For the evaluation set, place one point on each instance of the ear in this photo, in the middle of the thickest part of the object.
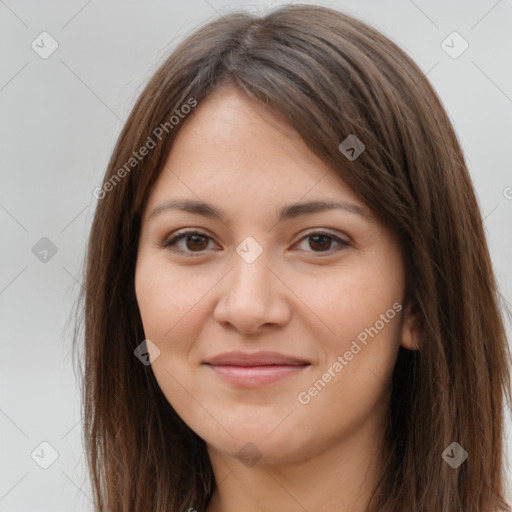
(410, 333)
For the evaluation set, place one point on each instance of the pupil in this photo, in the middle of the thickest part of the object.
(315, 239)
(196, 239)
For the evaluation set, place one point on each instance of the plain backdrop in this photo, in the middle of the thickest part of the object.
(60, 118)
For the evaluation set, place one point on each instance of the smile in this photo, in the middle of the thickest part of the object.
(255, 370)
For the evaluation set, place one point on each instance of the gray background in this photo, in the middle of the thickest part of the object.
(59, 120)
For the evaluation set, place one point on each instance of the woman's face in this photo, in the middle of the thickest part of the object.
(274, 325)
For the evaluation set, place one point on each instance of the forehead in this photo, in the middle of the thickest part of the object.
(232, 147)
(228, 129)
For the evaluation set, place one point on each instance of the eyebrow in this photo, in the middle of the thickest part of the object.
(286, 212)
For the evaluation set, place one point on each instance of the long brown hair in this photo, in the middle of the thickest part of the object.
(328, 75)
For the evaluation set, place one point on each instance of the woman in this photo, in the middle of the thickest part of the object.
(289, 300)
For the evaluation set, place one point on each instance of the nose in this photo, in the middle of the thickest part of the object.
(252, 297)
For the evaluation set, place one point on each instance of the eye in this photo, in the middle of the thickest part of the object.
(197, 242)
(321, 241)
(194, 241)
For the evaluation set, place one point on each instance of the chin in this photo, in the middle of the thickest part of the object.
(251, 445)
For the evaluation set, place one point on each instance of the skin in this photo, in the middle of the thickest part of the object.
(298, 297)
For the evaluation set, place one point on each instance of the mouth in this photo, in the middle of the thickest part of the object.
(255, 370)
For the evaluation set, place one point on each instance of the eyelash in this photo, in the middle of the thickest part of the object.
(170, 242)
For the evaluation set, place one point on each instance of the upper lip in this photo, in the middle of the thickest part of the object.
(254, 359)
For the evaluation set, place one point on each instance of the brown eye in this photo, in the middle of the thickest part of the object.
(196, 242)
(320, 242)
(188, 242)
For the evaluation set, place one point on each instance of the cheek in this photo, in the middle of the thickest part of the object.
(346, 301)
(172, 316)
(349, 393)
(175, 308)
(168, 299)
(362, 310)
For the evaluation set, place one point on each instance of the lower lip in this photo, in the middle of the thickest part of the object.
(256, 376)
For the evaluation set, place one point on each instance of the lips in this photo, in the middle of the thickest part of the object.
(257, 369)
(255, 359)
